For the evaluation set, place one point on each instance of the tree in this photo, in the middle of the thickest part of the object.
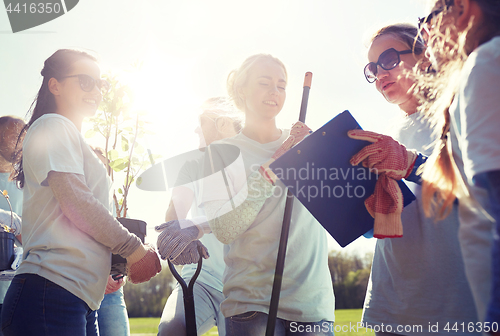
(350, 274)
(122, 128)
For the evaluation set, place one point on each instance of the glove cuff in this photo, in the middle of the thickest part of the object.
(267, 173)
(137, 255)
(387, 226)
(412, 158)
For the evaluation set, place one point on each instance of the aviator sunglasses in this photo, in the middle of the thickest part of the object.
(87, 83)
(388, 60)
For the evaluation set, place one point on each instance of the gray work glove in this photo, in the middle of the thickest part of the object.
(190, 255)
(173, 241)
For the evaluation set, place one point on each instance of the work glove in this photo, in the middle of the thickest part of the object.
(143, 264)
(113, 285)
(175, 236)
(190, 255)
(298, 132)
(392, 162)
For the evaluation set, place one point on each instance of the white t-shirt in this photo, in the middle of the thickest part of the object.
(307, 291)
(55, 248)
(212, 268)
(475, 139)
(419, 279)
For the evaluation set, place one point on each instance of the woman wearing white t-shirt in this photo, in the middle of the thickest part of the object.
(249, 222)
(68, 230)
(464, 37)
(415, 278)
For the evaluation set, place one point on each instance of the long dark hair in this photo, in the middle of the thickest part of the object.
(491, 19)
(56, 66)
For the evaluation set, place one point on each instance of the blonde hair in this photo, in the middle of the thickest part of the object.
(238, 78)
(404, 32)
(222, 107)
(442, 181)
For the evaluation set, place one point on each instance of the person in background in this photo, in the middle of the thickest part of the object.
(417, 279)
(464, 40)
(10, 128)
(69, 231)
(219, 120)
(247, 213)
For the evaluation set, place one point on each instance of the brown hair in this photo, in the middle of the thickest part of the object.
(406, 33)
(56, 66)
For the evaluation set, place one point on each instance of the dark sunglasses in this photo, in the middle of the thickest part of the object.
(87, 83)
(388, 60)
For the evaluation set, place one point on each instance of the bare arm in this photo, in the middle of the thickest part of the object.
(181, 201)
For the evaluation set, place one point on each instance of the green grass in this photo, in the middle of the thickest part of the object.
(347, 318)
(345, 324)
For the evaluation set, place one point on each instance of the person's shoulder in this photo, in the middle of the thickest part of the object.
(489, 50)
(486, 56)
(230, 141)
(53, 122)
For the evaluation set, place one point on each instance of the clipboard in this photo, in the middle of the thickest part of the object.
(317, 171)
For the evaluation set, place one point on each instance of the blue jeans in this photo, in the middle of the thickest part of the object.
(254, 324)
(112, 315)
(36, 306)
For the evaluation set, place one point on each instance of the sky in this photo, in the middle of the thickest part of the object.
(189, 47)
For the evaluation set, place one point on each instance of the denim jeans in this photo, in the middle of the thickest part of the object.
(34, 305)
(255, 323)
(112, 315)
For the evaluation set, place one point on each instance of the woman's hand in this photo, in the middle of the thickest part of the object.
(143, 264)
(298, 132)
(384, 155)
(178, 242)
(113, 285)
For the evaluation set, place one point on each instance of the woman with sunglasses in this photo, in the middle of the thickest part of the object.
(464, 38)
(417, 280)
(68, 230)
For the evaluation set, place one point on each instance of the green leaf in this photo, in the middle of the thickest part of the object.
(135, 160)
(119, 164)
(120, 191)
(124, 144)
(90, 133)
(113, 154)
(139, 180)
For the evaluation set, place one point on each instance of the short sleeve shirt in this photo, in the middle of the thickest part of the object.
(54, 247)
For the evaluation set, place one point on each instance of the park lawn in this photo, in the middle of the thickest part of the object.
(346, 322)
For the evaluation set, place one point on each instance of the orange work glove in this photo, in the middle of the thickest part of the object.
(143, 264)
(298, 132)
(391, 161)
